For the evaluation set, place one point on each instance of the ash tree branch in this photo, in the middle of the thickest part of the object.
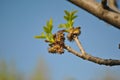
(113, 5)
(107, 62)
(86, 56)
(79, 45)
(106, 14)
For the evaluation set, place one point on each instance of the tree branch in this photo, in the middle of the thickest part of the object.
(113, 5)
(108, 15)
(79, 45)
(107, 62)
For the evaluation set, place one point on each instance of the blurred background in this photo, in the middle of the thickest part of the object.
(22, 57)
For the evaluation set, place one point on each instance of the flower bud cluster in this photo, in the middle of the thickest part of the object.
(58, 45)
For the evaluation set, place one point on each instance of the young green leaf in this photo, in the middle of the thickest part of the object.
(72, 22)
(47, 37)
(48, 32)
(74, 12)
(69, 17)
(47, 24)
(69, 24)
(42, 36)
(66, 18)
(62, 26)
(51, 39)
(39, 37)
(46, 29)
(67, 13)
(50, 22)
(50, 25)
(73, 17)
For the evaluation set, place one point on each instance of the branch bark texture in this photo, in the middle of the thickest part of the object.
(79, 45)
(107, 62)
(106, 14)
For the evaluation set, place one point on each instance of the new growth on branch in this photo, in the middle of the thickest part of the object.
(57, 40)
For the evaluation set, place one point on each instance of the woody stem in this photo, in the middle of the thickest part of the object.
(79, 45)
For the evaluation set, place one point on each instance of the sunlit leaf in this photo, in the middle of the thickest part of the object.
(74, 12)
(42, 34)
(46, 29)
(51, 40)
(47, 24)
(73, 17)
(66, 18)
(69, 17)
(47, 37)
(66, 12)
(50, 24)
(72, 22)
(67, 25)
(62, 26)
(40, 37)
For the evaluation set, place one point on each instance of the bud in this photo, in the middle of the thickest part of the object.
(73, 32)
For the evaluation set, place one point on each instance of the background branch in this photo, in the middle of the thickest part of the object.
(113, 5)
(108, 15)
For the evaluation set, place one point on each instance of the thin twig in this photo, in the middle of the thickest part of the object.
(79, 45)
(73, 51)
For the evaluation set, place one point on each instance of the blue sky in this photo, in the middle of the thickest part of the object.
(21, 20)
